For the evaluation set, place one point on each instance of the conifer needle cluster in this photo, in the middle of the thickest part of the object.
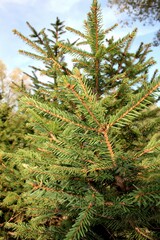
(93, 169)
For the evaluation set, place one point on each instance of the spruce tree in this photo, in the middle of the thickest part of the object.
(14, 126)
(13, 129)
(48, 41)
(93, 170)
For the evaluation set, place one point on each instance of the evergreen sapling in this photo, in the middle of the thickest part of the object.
(94, 165)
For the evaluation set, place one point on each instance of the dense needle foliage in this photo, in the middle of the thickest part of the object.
(93, 169)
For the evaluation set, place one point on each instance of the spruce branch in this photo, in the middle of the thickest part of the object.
(35, 34)
(30, 43)
(147, 151)
(75, 50)
(129, 42)
(52, 190)
(109, 146)
(154, 75)
(110, 29)
(33, 55)
(52, 148)
(125, 51)
(81, 225)
(80, 62)
(50, 52)
(95, 36)
(71, 87)
(53, 138)
(81, 43)
(68, 170)
(121, 41)
(95, 9)
(152, 145)
(49, 174)
(140, 231)
(43, 150)
(146, 50)
(79, 33)
(46, 59)
(80, 79)
(97, 76)
(55, 114)
(133, 107)
(59, 65)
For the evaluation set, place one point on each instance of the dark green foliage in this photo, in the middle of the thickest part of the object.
(13, 130)
(47, 42)
(13, 127)
(93, 169)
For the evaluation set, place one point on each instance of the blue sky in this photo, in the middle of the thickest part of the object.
(40, 13)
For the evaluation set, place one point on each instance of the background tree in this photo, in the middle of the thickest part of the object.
(92, 171)
(147, 11)
(13, 129)
(15, 124)
(9, 83)
(12, 123)
(2, 77)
